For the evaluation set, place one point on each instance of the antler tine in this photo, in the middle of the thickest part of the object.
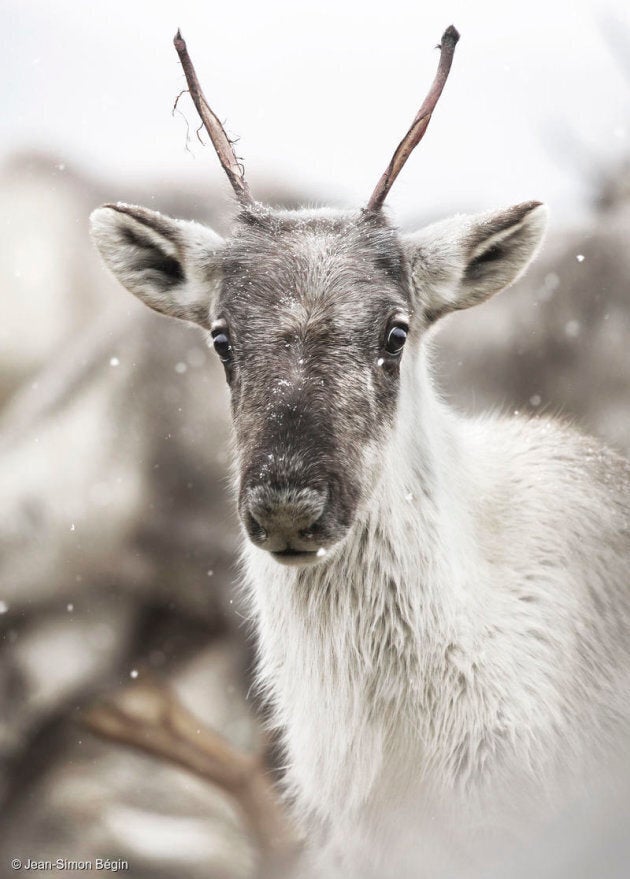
(419, 124)
(216, 132)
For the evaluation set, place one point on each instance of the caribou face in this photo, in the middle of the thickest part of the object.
(310, 323)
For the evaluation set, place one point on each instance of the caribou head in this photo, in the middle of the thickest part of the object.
(318, 317)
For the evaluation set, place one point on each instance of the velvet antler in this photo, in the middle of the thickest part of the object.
(216, 132)
(419, 124)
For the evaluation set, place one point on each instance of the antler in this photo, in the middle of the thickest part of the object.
(151, 719)
(420, 123)
(216, 132)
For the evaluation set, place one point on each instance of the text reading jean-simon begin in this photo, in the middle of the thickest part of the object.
(66, 865)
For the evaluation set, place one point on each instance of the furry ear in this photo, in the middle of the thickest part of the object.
(465, 260)
(173, 266)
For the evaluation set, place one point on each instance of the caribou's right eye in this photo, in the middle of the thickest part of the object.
(222, 345)
(396, 338)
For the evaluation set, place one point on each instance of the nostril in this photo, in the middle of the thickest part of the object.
(255, 529)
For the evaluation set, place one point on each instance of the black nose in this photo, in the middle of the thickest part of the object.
(284, 519)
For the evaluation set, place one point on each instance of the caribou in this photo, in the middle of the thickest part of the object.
(441, 602)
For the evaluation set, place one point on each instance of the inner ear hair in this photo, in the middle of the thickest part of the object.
(159, 257)
(487, 237)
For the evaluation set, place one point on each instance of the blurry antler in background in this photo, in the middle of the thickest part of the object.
(151, 719)
(221, 142)
(420, 124)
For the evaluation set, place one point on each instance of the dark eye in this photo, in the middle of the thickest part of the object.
(222, 345)
(396, 339)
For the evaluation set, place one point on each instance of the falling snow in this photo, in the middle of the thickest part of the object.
(549, 287)
(4, 607)
(114, 361)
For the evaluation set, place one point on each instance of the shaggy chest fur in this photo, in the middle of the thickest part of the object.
(451, 655)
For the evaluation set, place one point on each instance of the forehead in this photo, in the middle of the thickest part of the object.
(300, 263)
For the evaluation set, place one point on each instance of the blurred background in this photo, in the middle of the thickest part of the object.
(117, 534)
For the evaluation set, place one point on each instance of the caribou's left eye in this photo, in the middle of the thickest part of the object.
(222, 345)
(396, 339)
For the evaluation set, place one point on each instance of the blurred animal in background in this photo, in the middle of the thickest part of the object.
(442, 602)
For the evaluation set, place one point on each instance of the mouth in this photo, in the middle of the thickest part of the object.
(296, 557)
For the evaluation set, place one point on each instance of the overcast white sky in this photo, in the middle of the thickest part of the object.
(322, 92)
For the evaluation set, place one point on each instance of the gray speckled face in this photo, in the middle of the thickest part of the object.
(305, 318)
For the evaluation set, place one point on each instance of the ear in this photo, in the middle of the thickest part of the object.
(173, 266)
(465, 260)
